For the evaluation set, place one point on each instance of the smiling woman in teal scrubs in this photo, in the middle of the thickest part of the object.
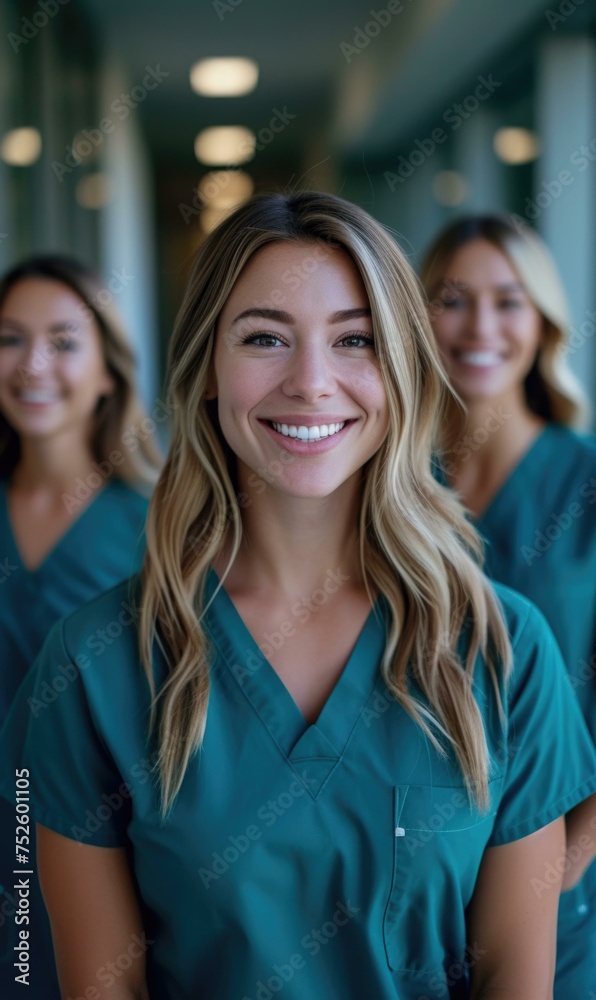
(352, 778)
(529, 479)
(71, 514)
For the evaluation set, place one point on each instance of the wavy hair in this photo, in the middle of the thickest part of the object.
(115, 414)
(552, 391)
(416, 545)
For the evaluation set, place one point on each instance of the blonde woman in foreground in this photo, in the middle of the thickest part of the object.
(327, 759)
(528, 477)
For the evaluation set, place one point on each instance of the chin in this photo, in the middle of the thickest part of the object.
(311, 490)
(474, 392)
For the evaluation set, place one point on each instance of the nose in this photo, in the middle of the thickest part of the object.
(36, 357)
(482, 319)
(310, 373)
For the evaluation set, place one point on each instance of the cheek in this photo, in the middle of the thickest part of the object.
(445, 328)
(244, 387)
(9, 360)
(368, 389)
(234, 405)
(82, 369)
(241, 392)
(527, 335)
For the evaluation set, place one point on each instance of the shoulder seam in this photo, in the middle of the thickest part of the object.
(523, 627)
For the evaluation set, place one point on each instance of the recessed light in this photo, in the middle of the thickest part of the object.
(21, 147)
(225, 145)
(516, 145)
(93, 191)
(450, 187)
(229, 77)
(225, 188)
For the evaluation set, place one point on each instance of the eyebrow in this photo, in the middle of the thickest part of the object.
(511, 286)
(344, 314)
(284, 317)
(67, 326)
(12, 322)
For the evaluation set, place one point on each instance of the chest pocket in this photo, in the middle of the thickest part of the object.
(438, 839)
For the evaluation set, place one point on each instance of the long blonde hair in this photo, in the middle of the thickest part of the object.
(416, 546)
(117, 415)
(551, 389)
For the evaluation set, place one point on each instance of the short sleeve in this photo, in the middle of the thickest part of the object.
(550, 760)
(75, 787)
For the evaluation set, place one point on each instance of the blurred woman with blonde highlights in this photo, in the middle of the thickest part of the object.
(528, 477)
(73, 498)
(341, 719)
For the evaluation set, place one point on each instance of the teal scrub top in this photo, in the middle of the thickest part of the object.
(102, 546)
(540, 531)
(328, 860)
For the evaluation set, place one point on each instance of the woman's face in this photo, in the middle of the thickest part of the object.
(487, 328)
(52, 369)
(301, 400)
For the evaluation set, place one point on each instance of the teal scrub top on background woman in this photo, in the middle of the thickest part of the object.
(102, 546)
(328, 860)
(540, 531)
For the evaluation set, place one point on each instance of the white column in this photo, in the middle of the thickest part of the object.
(475, 159)
(127, 237)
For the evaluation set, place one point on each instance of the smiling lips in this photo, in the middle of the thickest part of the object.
(313, 433)
(479, 359)
(37, 396)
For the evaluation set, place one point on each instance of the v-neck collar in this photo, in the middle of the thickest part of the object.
(64, 540)
(510, 486)
(314, 749)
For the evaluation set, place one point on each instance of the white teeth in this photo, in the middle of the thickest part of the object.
(37, 396)
(308, 433)
(480, 359)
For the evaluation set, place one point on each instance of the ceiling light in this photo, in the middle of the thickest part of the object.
(224, 77)
(450, 187)
(21, 147)
(225, 145)
(516, 145)
(225, 188)
(93, 191)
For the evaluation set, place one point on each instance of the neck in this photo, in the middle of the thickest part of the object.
(52, 464)
(497, 434)
(496, 427)
(292, 545)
